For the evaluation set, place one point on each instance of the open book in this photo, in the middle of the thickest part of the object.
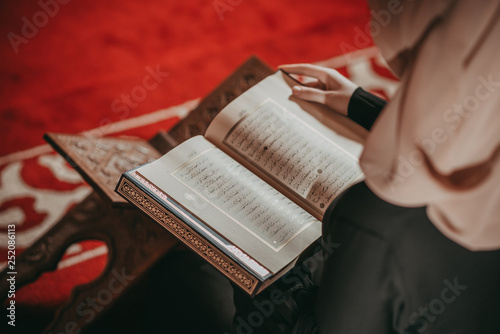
(249, 196)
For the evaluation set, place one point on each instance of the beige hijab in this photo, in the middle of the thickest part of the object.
(437, 143)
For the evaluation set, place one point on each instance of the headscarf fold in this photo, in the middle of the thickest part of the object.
(437, 142)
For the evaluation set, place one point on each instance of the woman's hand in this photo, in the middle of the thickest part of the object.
(328, 87)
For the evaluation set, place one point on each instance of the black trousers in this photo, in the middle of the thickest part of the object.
(394, 272)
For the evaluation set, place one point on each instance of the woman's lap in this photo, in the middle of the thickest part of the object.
(394, 270)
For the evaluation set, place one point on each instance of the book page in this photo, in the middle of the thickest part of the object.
(234, 202)
(271, 133)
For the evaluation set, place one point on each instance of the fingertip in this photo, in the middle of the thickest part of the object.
(284, 67)
(297, 89)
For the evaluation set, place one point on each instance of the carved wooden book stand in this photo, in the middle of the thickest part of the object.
(135, 243)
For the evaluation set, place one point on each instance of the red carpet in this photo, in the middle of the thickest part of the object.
(109, 66)
(65, 78)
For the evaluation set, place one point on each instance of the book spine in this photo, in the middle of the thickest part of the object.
(183, 232)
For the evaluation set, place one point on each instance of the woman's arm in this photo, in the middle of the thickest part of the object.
(364, 107)
(332, 89)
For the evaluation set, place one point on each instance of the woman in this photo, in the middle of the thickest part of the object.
(420, 238)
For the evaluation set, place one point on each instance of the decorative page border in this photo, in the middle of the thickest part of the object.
(188, 236)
